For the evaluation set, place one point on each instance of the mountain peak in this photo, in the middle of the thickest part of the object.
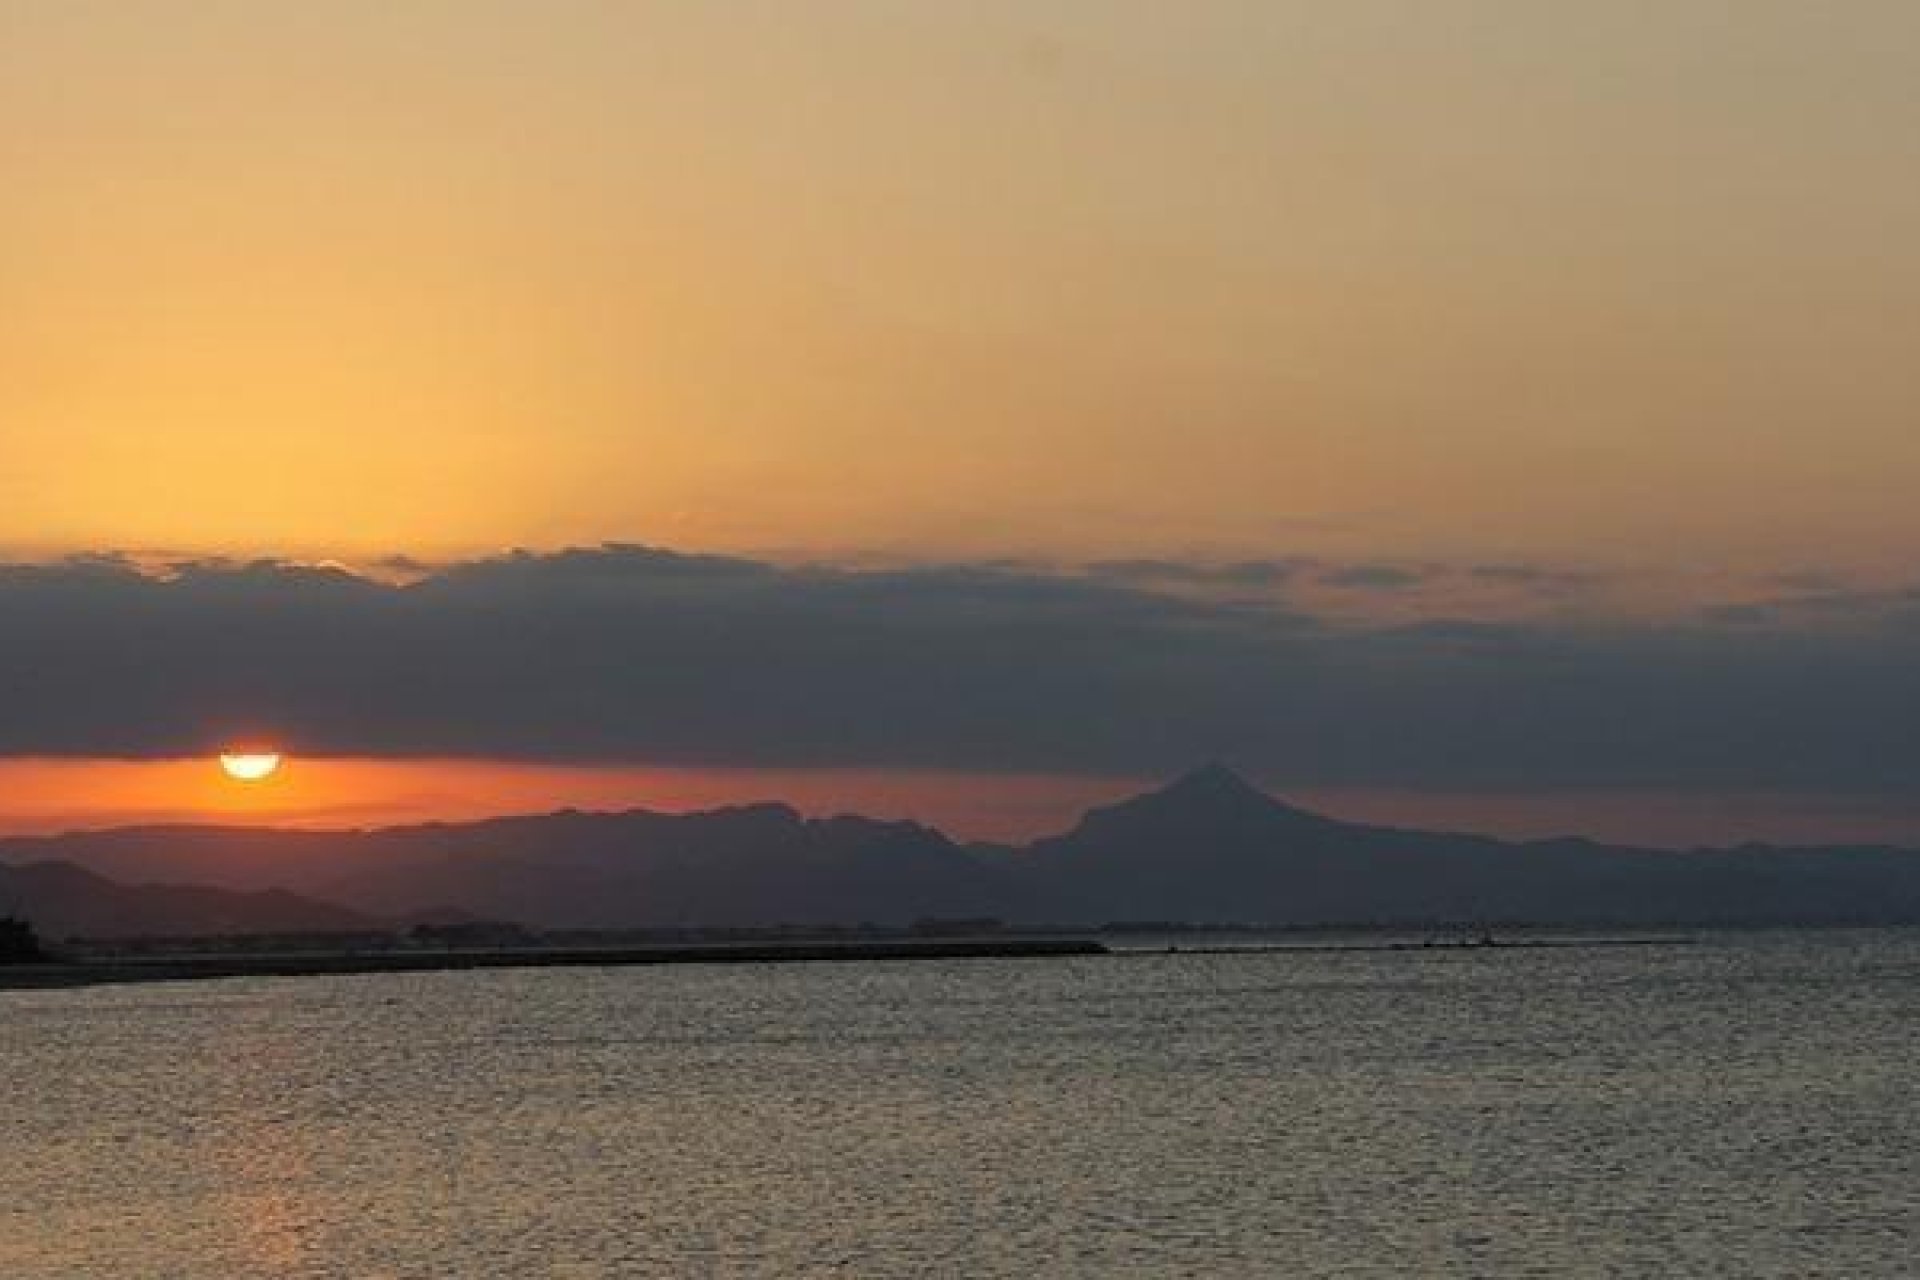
(1215, 789)
(1213, 780)
(1195, 802)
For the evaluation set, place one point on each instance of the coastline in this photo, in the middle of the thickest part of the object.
(188, 967)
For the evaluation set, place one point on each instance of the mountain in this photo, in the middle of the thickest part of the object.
(1208, 847)
(1212, 847)
(758, 864)
(63, 901)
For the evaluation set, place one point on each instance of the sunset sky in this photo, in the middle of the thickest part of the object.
(1499, 412)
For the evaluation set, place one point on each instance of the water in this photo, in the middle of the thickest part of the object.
(1744, 1108)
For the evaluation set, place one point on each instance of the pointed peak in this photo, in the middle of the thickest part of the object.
(1215, 785)
(1209, 794)
(1212, 777)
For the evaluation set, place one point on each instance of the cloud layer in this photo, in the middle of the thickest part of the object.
(627, 653)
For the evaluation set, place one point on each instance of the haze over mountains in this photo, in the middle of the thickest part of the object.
(1208, 848)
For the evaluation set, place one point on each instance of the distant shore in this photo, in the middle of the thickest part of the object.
(1431, 944)
(192, 967)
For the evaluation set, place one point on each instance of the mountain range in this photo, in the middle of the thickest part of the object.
(1207, 848)
(63, 900)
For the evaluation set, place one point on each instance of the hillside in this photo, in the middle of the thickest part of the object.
(63, 900)
(1208, 847)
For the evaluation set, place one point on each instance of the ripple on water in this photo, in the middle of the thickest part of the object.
(1739, 1108)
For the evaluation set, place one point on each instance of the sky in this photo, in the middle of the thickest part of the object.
(1495, 412)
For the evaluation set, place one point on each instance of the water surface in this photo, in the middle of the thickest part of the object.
(1745, 1107)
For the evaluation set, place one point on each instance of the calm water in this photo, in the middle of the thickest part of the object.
(1743, 1108)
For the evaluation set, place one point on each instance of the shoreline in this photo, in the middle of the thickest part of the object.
(1475, 945)
(188, 967)
(57, 975)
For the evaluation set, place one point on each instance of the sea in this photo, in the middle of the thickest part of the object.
(1736, 1104)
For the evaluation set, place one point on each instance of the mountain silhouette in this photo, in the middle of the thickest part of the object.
(63, 900)
(1209, 847)
(1212, 796)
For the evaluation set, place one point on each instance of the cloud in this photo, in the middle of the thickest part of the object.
(1750, 614)
(1235, 573)
(629, 653)
(1815, 604)
(1547, 579)
(1374, 577)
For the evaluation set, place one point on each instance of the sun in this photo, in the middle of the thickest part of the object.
(250, 766)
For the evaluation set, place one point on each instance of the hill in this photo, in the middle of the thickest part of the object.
(1208, 847)
(63, 900)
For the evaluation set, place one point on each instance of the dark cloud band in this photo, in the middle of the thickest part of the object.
(631, 653)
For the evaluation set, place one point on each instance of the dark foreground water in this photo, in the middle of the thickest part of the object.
(1746, 1107)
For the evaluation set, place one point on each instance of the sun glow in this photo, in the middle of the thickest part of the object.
(250, 766)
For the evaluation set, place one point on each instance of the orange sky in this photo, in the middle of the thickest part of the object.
(1539, 277)
(1622, 286)
(43, 796)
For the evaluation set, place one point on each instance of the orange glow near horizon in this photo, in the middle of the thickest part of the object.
(43, 795)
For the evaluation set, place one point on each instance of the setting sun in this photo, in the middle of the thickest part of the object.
(249, 766)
